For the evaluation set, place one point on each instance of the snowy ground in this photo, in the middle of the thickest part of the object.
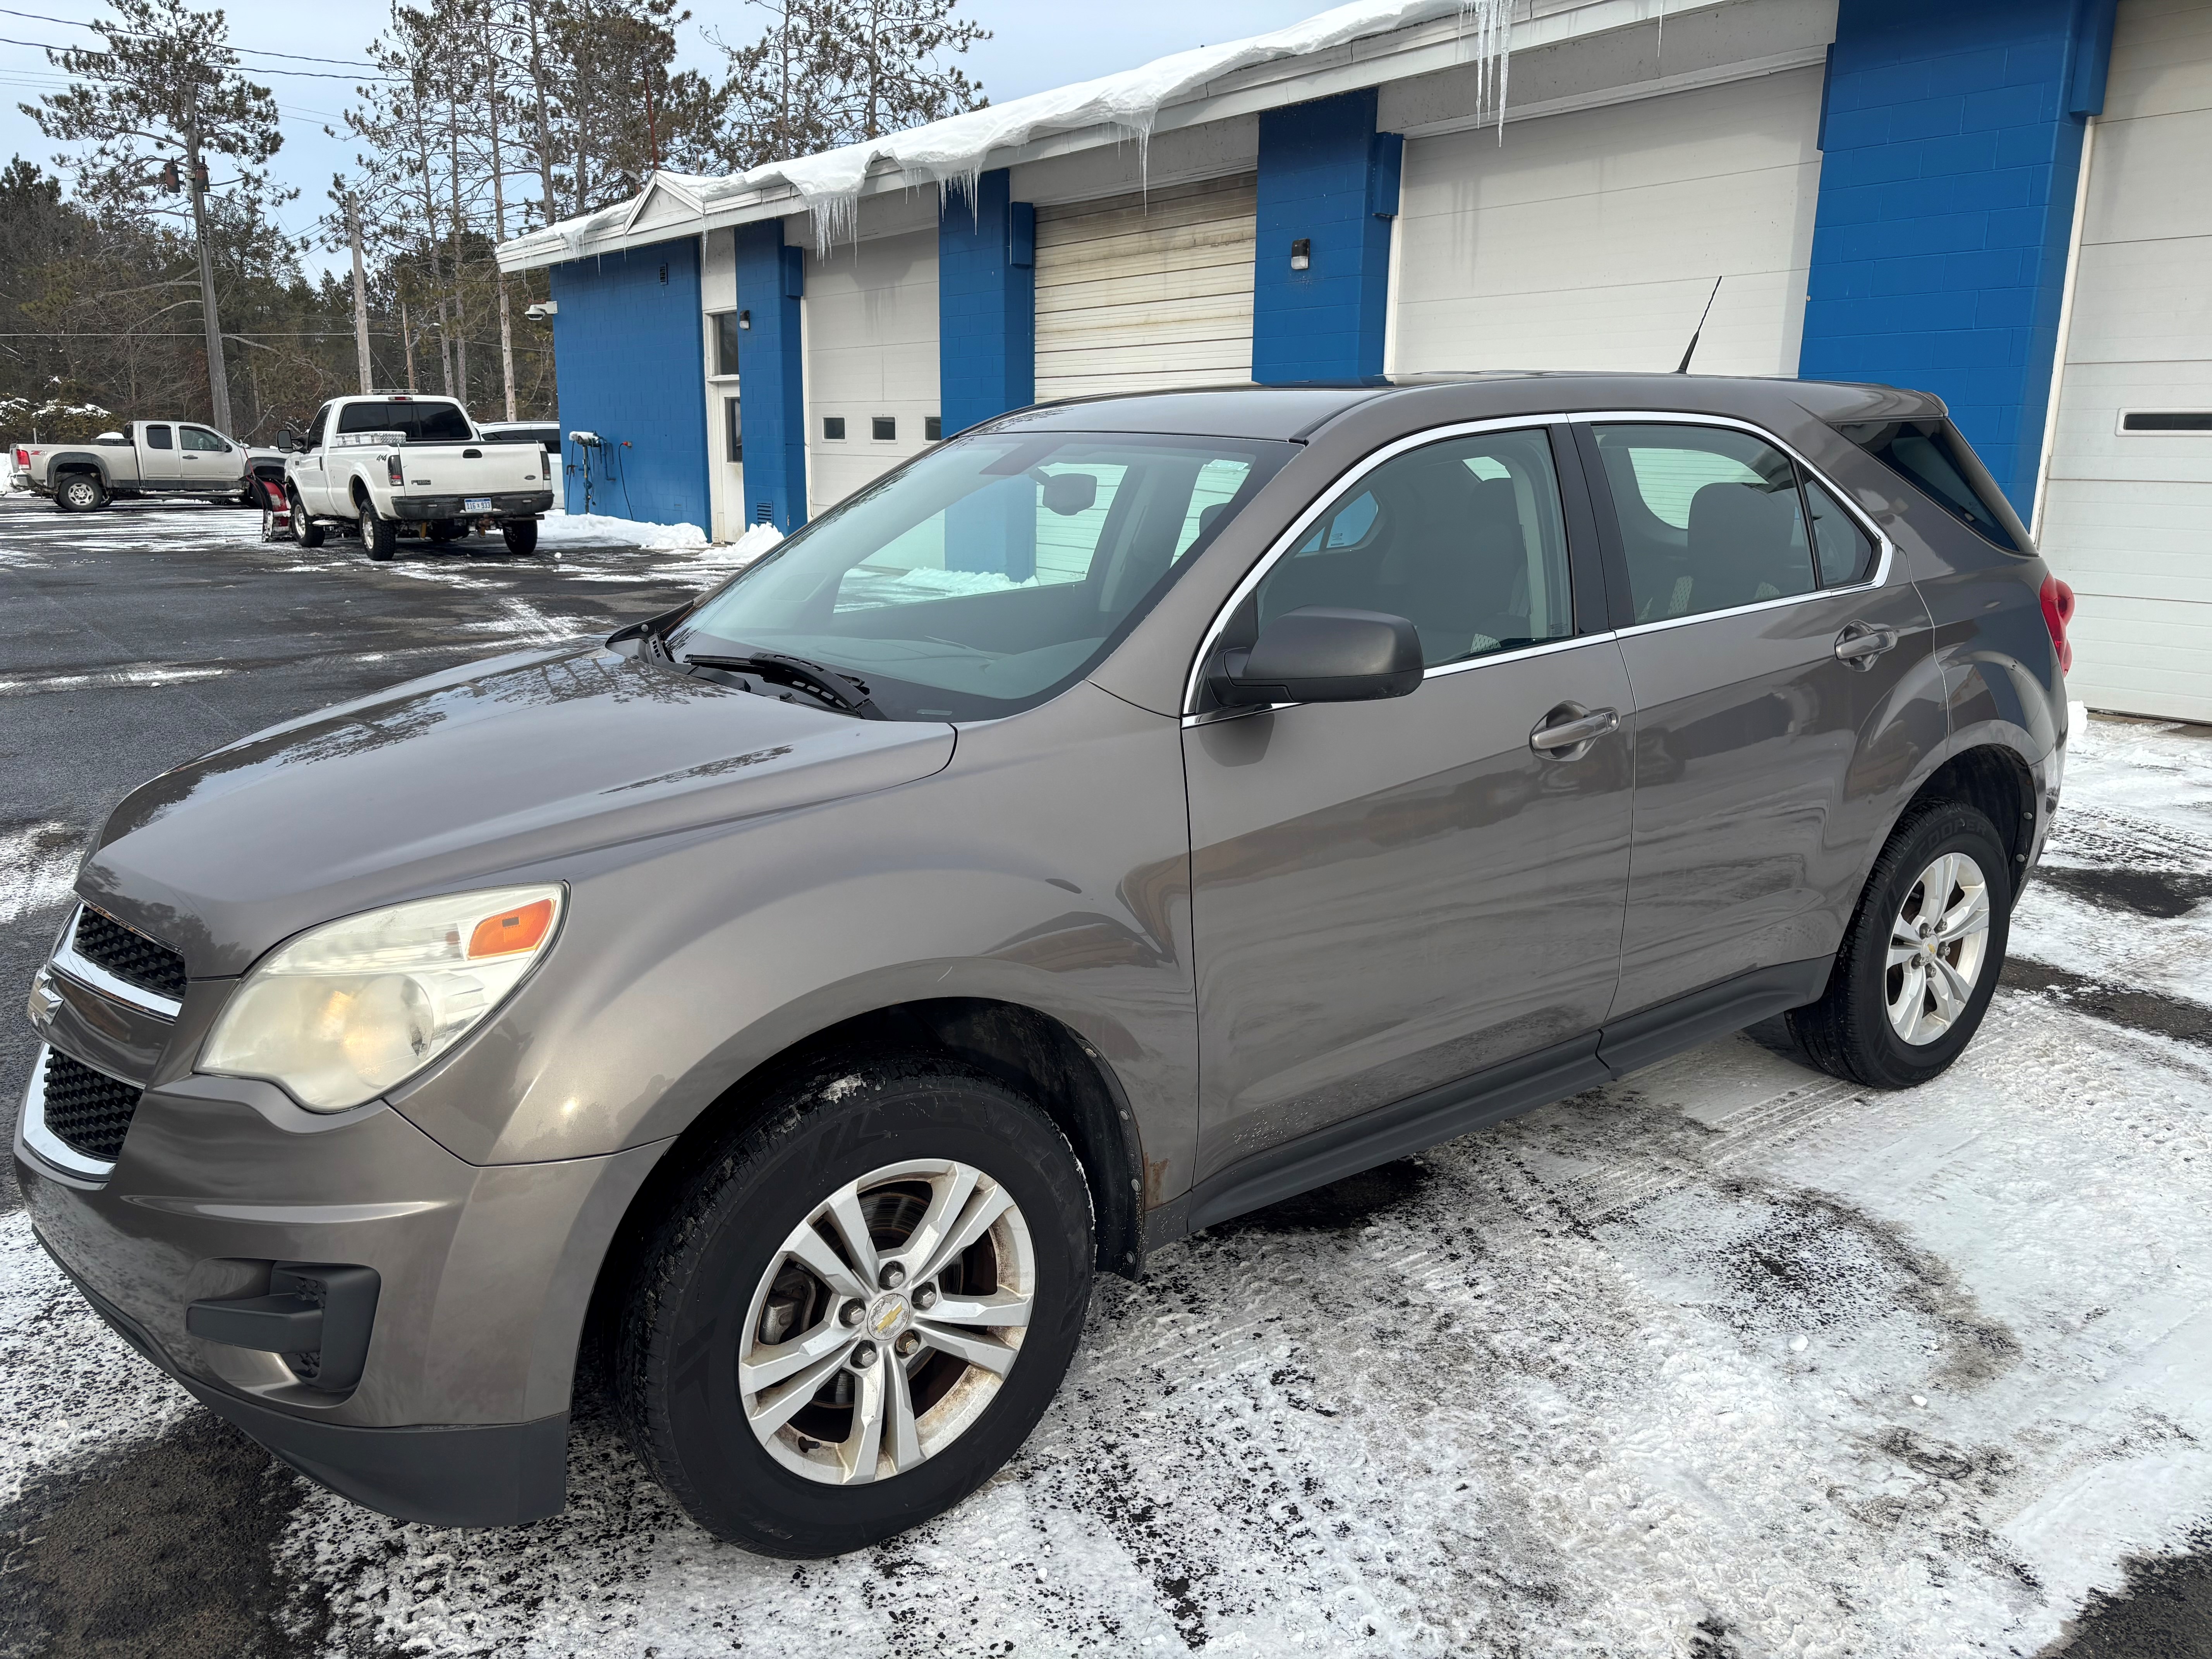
(1723, 1362)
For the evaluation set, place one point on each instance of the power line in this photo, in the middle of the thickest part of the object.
(257, 69)
(250, 52)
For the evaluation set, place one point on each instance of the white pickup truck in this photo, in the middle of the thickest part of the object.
(378, 464)
(148, 457)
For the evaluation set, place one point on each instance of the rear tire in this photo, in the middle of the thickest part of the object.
(866, 1419)
(1917, 967)
(378, 534)
(521, 535)
(305, 530)
(80, 492)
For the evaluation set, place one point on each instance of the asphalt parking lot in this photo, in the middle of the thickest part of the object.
(1724, 1361)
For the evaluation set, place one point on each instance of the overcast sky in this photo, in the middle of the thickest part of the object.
(1033, 46)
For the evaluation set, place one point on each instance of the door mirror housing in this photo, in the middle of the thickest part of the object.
(1322, 655)
(285, 439)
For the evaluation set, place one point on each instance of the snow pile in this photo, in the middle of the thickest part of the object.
(601, 530)
(951, 154)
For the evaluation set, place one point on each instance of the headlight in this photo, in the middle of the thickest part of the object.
(344, 1013)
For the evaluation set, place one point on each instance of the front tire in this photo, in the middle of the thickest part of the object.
(1921, 959)
(305, 530)
(378, 534)
(80, 492)
(521, 535)
(857, 1307)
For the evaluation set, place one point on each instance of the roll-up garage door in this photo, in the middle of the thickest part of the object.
(1142, 293)
(2127, 508)
(1590, 239)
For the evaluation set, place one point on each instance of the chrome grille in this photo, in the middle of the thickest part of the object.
(129, 954)
(88, 1111)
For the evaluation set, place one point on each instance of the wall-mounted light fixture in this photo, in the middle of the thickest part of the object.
(745, 319)
(1301, 253)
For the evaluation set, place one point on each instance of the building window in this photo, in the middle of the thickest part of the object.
(833, 427)
(734, 433)
(886, 429)
(932, 427)
(2166, 420)
(726, 343)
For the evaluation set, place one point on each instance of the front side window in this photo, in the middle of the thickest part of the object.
(199, 438)
(990, 574)
(157, 437)
(1462, 537)
(315, 430)
(418, 422)
(1709, 519)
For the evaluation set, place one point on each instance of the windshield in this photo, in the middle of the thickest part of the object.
(423, 423)
(990, 574)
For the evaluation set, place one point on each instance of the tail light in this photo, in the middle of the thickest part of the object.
(22, 458)
(2058, 610)
(392, 468)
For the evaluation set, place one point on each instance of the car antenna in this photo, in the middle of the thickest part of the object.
(1683, 367)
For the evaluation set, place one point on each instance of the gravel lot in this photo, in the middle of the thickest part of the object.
(1724, 1361)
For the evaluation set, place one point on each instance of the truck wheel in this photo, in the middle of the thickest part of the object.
(1920, 960)
(80, 492)
(521, 534)
(856, 1307)
(305, 530)
(378, 534)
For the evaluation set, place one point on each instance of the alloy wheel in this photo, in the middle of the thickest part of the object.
(886, 1321)
(1938, 945)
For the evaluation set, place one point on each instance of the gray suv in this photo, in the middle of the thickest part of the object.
(1125, 815)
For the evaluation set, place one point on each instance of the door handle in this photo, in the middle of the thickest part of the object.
(1568, 730)
(1860, 643)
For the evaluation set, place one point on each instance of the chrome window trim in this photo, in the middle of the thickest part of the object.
(1885, 549)
(51, 1148)
(1305, 521)
(66, 961)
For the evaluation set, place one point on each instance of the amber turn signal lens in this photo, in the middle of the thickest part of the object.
(510, 931)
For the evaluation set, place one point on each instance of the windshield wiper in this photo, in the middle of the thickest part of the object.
(841, 691)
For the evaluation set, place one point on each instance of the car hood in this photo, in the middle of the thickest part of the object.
(496, 770)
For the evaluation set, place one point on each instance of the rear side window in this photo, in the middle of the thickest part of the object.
(1932, 456)
(1843, 552)
(157, 437)
(421, 423)
(1709, 519)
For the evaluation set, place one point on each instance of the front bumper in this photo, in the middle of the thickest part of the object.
(523, 503)
(459, 1416)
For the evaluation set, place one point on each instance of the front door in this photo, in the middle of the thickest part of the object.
(1390, 896)
(210, 462)
(1769, 653)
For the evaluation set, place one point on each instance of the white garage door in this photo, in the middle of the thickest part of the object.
(1141, 293)
(1591, 240)
(870, 360)
(2127, 510)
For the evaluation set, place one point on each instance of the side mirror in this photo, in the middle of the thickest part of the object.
(1319, 655)
(285, 439)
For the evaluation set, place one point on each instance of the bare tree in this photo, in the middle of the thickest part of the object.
(162, 99)
(831, 72)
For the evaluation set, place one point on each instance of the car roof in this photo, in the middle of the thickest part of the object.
(1298, 412)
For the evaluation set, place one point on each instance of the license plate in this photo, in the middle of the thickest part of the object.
(476, 504)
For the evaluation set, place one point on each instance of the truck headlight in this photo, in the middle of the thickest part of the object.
(349, 1009)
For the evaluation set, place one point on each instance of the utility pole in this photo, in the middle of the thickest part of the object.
(360, 294)
(195, 178)
(499, 223)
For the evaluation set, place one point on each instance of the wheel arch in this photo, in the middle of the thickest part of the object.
(1994, 779)
(1026, 1048)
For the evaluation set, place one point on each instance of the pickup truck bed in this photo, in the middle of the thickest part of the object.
(375, 465)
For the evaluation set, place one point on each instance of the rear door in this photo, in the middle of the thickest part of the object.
(158, 467)
(1772, 648)
(1390, 896)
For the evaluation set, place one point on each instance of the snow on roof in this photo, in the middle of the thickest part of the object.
(951, 154)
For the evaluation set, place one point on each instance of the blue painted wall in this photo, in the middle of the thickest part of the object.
(628, 360)
(772, 375)
(1326, 176)
(986, 303)
(1952, 135)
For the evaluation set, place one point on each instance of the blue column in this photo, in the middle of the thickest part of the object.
(771, 375)
(1329, 180)
(1952, 136)
(986, 303)
(629, 365)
